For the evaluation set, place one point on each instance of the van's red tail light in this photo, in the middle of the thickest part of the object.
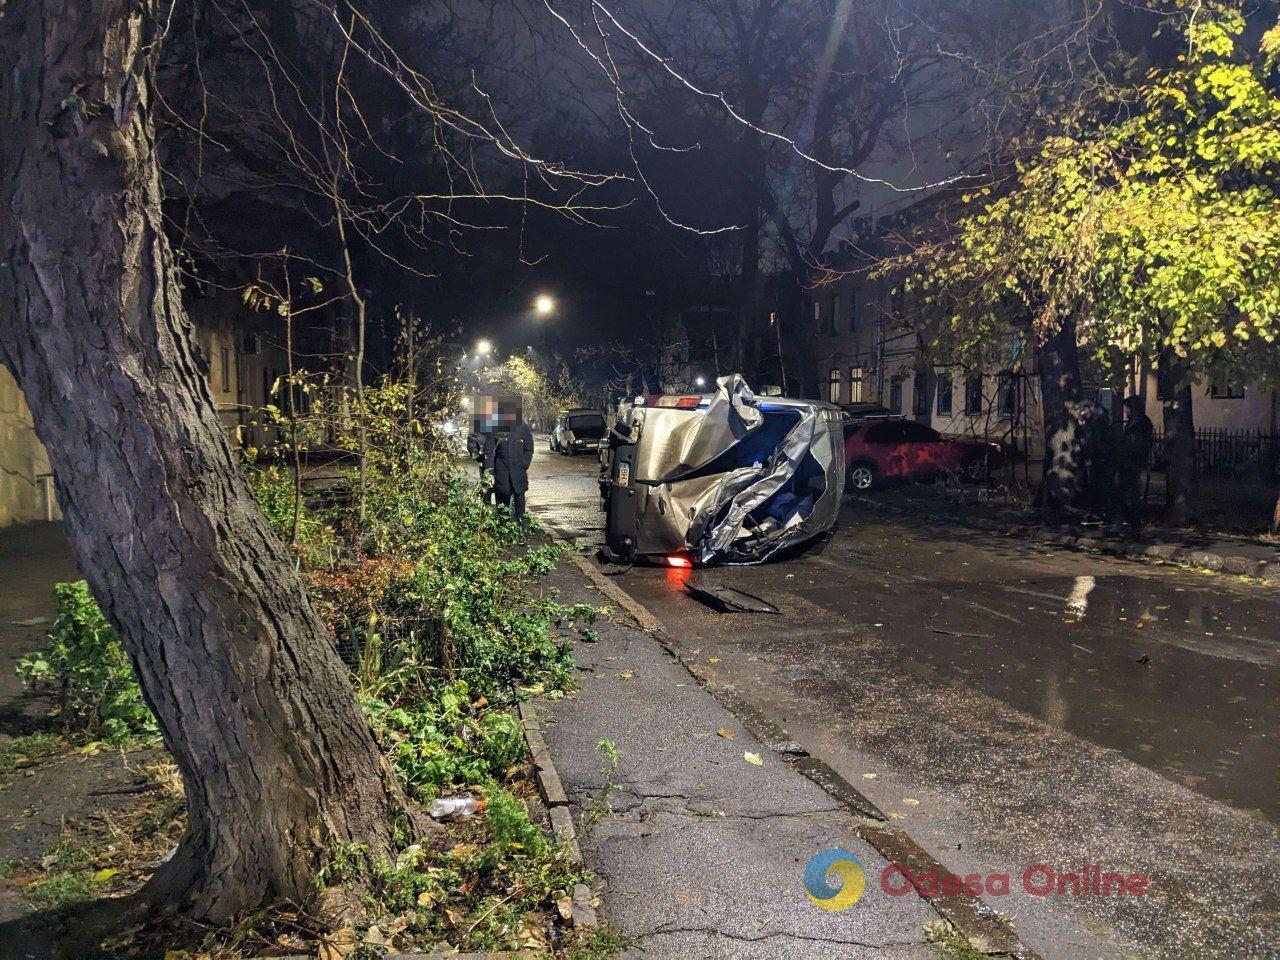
(678, 403)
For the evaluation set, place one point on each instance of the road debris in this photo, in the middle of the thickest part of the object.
(729, 600)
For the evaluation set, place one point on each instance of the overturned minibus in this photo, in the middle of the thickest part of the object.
(724, 477)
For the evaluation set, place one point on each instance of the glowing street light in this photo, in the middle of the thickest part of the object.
(699, 381)
(484, 348)
(544, 305)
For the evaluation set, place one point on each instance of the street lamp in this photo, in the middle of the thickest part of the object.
(484, 348)
(699, 381)
(544, 305)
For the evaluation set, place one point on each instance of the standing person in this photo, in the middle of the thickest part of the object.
(1135, 455)
(476, 443)
(507, 457)
(1098, 445)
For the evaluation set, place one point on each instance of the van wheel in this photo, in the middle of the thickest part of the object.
(860, 476)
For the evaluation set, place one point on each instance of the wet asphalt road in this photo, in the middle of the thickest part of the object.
(1011, 705)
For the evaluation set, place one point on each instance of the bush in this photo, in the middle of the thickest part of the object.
(448, 594)
(87, 666)
(435, 744)
(484, 894)
(272, 488)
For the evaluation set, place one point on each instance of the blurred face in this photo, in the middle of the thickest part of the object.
(492, 414)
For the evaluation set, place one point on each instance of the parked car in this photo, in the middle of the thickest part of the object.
(576, 430)
(878, 449)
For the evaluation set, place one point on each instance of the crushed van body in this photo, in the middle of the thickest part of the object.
(724, 477)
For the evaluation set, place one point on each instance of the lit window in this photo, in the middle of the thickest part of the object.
(855, 385)
(833, 385)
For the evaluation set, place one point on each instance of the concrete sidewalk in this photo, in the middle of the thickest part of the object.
(703, 855)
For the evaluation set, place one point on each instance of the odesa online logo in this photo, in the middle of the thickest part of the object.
(845, 866)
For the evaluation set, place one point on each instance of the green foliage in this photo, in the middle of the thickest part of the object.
(949, 944)
(272, 486)
(481, 894)
(441, 742)
(1151, 217)
(463, 605)
(601, 943)
(62, 889)
(86, 665)
(549, 387)
(602, 802)
(70, 877)
(436, 607)
(511, 826)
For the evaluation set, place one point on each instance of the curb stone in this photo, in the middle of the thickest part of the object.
(986, 930)
(584, 915)
(1268, 571)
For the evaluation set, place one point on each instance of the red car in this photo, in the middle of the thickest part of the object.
(878, 450)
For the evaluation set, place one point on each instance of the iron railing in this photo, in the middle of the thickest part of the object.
(1238, 453)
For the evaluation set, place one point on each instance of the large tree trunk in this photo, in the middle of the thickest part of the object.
(1060, 395)
(1181, 479)
(257, 709)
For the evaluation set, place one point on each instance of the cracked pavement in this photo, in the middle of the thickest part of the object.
(703, 852)
(1008, 705)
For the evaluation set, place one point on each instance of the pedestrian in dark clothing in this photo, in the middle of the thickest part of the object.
(1098, 445)
(507, 457)
(476, 451)
(1134, 456)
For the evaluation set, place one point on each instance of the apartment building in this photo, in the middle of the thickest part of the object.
(244, 361)
(866, 356)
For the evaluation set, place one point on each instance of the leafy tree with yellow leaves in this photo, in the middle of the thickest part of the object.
(1145, 233)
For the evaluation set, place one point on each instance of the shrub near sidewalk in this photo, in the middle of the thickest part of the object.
(440, 618)
(85, 665)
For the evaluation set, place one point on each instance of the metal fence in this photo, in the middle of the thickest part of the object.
(1236, 453)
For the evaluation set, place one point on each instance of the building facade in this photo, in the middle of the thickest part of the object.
(26, 482)
(867, 356)
(1218, 406)
(244, 363)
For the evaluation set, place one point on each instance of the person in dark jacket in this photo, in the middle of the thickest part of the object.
(507, 457)
(1134, 456)
(476, 451)
(1098, 445)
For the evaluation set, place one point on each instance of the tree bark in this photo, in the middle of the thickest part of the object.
(257, 709)
(1181, 479)
(1060, 395)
